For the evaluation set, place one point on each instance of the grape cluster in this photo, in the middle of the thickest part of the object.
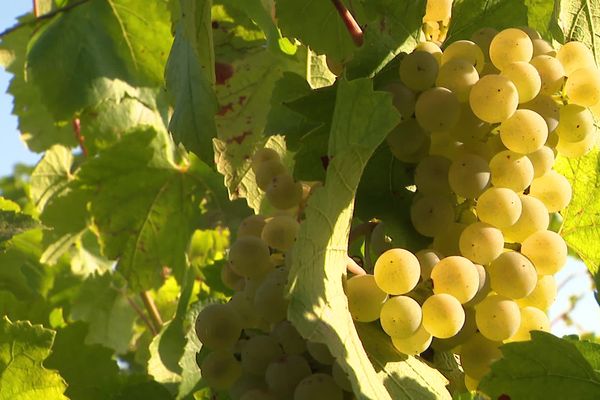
(483, 121)
(255, 353)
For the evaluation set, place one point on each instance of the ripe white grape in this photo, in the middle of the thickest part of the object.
(427, 259)
(511, 170)
(543, 295)
(283, 192)
(283, 375)
(446, 242)
(526, 79)
(249, 256)
(431, 48)
(365, 298)
(230, 279)
(575, 55)
(437, 109)
(443, 315)
(500, 207)
(220, 369)
(289, 338)
(477, 354)
(469, 175)
(258, 353)
(575, 123)
(431, 175)
(542, 47)
(318, 386)
(484, 287)
(218, 327)
(414, 344)
(400, 317)
(457, 276)
(418, 70)
(532, 319)
(510, 45)
(481, 243)
(552, 73)
(553, 189)
(403, 99)
(262, 155)
(577, 149)
(280, 232)
(547, 251)
(583, 86)
(408, 142)
(270, 300)
(524, 132)
(469, 328)
(542, 161)
(251, 226)
(464, 50)
(265, 171)
(469, 129)
(471, 383)
(494, 98)
(545, 106)
(458, 75)
(396, 271)
(430, 214)
(534, 217)
(512, 275)
(498, 317)
(483, 38)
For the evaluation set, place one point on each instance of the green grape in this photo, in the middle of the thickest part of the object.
(543, 295)
(258, 394)
(249, 256)
(542, 161)
(415, 344)
(230, 279)
(408, 142)
(262, 155)
(552, 73)
(464, 50)
(547, 251)
(512, 275)
(288, 338)
(258, 353)
(458, 75)
(218, 326)
(477, 354)
(493, 98)
(431, 175)
(427, 259)
(524, 132)
(251, 226)
(481, 242)
(469, 129)
(511, 170)
(443, 315)
(403, 99)
(532, 33)
(457, 276)
(442, 144)
(471, 383)
(431, 213)
(318, 386)
(484, 286)
(469, 175)
(575, 123)
(532, 319)
(510, 45)
(244, 307)
(534, 217)
(283, 192)
(266, 171)
(583, 87)
(575, 55)
(365, 298)
(431, 48)
(437, 109)
(220, 369)
(378, 240)
(497, 317)
(438, 10)
(400, 316)
(396, 271)
(577, 149)
(320, 353)
(500, 207)
(246, 383)
(545, 106)
(283, 375)
(542, 47)
(469, 328)
(483, 38)
(270, 299)
(553, 189)
(526, 79)
(280, 232)
(446, 242)
(418, 70)
(340, 377)
(335, 66)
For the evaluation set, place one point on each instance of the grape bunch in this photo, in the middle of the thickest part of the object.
(483, 121)
(254, 352)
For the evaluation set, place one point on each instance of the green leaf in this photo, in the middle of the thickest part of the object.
(404, 377)
(545, 367)
(581, 220)
(23, 348)
(51, 175)
(190, 375)
(579, 20)
(89, 370)
(13, 221)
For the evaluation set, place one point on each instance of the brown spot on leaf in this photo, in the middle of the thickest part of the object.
(224, 109)
(241, 100)
(325, 161)
(239, 138)
(223, 72)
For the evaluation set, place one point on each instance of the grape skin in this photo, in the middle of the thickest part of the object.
(526, 79)
(283, 375)
(575, 55)
(469, 175)
(500, 207)
(220, 369)
(512, 275)
(481, 243)
(532, 319)
(510, 45)
(534, 217)
(511, 170)
(547, 251)
(443, 315)
(365, 298)
(397, 271)
(465, 50)
(318, 386)
(459, 76)
(477, 354)
(494, 98)
(543, 295)
(497, 317)
(524, 132)
(400, 316)
(583, 86)
(418, 70)
(415, 344)
(437, 109)
(218, 326)
(431, 213)
(553, 189)
(552, 73)
(457, 276)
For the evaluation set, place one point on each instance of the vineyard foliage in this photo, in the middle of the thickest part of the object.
(146, 115)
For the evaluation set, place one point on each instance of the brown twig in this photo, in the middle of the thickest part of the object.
(142, 315)
(152, 310)
(80, 138)
(42, 17)
(36, 10)
(353, 28)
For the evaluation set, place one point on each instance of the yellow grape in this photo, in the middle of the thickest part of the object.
(283, 375)
(494, 98)
(575, 124)
(397, 271)
(437, 109)
(484, 286)
(218, 326)
(526, 79)
(442, 144)
(497, 317)
(289, 338)
(469, 328)
(446, 242)
(575, 55)
(431, 175)
(542, 47)
(320, 352)
(465, 50)
(457, 276)
(510, 45)
(542, 160)
(270, 298)
(524, 132)
(481, 242)
(577, 149)
(427, 259)
(403, 99)
(543, 295)
(583, 86)
(545, 106)
(365, 298)
(469, 129)
(400, 316)
(532, 33)
(418, 70)
(431, 213)
(249, 256)
(547, 251)
(284, 192)
(318, 386)
(251, 226)
(443, 315)
(258, 353)
(469, 175)
(220, 369)
(512, 275)
(408, 142)
(414, 344)
(262, 155)
(552, 73)
(280, 232)
(532, 319)
(458, 75)
(230, 279)
(534, 217)
(500, 207)
(266, 171)
(482, 38)
(431, 48)
(511, 170)
(477, 354)
(553, 189)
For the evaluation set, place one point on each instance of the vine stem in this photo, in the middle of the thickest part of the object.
(353, 28)
(79, 136)
(152, 310)
(141, 314)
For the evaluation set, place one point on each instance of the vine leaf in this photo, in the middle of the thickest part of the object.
(318, 306)
(13, 221)
(579, 20)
